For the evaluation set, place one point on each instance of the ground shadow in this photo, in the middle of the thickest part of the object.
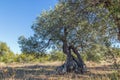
(44, 72)
(27, 72)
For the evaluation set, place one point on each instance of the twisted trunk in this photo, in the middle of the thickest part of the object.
(72, 64)
(80, 63)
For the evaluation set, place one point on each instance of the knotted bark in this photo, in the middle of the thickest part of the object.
(72, 64)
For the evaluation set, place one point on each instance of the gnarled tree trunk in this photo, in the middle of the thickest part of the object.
(72, 64)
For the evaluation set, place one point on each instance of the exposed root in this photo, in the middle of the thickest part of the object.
(71, 67)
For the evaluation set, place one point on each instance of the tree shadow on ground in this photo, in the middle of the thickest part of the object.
(42, 72)
(25, 72)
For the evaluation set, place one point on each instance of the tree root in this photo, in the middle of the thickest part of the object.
(71, 67)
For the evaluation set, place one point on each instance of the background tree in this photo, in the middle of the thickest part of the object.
(57, 56)
(4, 49)
(72, 26)
(6, 55)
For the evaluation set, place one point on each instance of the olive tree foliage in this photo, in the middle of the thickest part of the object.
(72, 26)
(113, 7)
(85, 24)
(29, 45)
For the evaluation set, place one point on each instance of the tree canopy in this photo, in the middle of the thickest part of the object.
(76, 22)
(113, 8)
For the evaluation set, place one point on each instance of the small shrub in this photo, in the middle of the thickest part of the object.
(57, 56)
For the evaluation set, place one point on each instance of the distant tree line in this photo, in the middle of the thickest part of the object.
(96, 53)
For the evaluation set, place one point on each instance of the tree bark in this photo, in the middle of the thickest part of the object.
(72, 64)
(81, 63)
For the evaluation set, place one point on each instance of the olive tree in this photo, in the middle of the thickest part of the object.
(72, 26)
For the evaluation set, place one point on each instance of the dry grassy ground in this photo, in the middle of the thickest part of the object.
(46, 71)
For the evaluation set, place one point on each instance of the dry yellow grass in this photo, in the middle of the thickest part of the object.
(46, 71)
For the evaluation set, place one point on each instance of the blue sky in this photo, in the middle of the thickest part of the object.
(16, 18)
